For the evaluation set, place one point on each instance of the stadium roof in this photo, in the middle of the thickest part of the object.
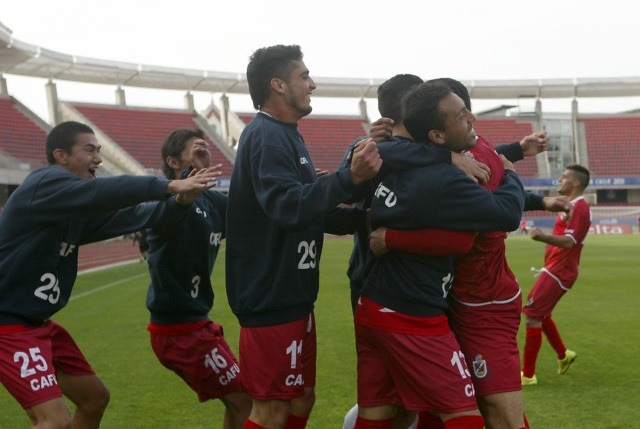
(20, 58)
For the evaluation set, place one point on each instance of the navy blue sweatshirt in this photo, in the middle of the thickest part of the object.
(397, 153)
(439, 196)
(181, 260)
(49, 216)
(275, 224)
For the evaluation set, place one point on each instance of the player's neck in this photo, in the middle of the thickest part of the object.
(400, 131)
(574, 195)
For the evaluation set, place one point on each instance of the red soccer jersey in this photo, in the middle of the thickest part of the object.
(482, 275)
(563, 263)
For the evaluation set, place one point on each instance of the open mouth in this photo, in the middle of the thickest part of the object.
(92, 172)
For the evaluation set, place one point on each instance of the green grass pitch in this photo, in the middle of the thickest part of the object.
(599, 319)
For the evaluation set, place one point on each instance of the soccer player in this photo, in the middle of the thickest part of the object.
(561, 263)
(407, 355)
(180, 295)
(275, 227)
(485, 290)
(54, 211)
(398, 151)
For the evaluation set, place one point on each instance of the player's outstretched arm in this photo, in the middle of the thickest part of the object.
(197, 181)
(422, 241)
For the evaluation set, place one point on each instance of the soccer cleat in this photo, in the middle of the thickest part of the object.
(564, 364)
(526, 381)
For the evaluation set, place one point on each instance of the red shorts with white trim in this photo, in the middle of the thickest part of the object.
(544, 297)
(419, 372)
(202, 358)
(488, 336)
(31, 359)
(279, 361)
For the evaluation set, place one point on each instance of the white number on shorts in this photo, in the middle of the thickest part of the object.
(294, 350)
(215, 361)
(49, 291)
(196, 286)
(458, 360)
(38, 360)
(308, 258)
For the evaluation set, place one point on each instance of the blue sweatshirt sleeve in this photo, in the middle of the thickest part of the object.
(287, 191)
(511, 151)
(443, 197)
(473, 208)
(343, 221)
(163, 215)
(402, 154)
(62, 195)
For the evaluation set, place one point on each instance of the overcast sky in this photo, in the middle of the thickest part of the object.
(463, 39)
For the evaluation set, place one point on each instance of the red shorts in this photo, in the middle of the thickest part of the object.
(30, 361)
(202, 358)
(544, 296)
(279, 361)
(488, 336)
(419, 372)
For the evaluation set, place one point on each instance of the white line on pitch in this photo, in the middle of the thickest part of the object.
(107, 286)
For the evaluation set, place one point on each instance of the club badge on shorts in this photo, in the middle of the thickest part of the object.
(480, 367)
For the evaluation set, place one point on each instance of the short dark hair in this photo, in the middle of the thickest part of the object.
(64, 136)
(580, 173)
(267, 63)
(390, 94)
(421, 111)
(458, 89)
(174, 144)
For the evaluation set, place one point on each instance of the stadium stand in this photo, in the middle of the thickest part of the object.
(613, 144)
(22, 134)
(140, 131)
(498, 131)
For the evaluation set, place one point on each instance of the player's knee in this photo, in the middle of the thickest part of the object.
(97, 403)
(238, 403)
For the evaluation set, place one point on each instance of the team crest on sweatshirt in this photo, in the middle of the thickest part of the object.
(480, 367)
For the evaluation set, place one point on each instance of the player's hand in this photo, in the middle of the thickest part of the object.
(556, 204)
(536, 233)
(200, 155)
(381, 129)
(365, 161)
(535, 143)
(476, 171)
(507, 164)
(320, 172)
(376, 241)
(197, 182)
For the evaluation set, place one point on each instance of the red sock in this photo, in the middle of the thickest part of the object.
(373, 424)
(429, 421)
(552, 334)
(465, 422)
(296, 422)
(249, 424)
(532, 344)
(526, 422)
